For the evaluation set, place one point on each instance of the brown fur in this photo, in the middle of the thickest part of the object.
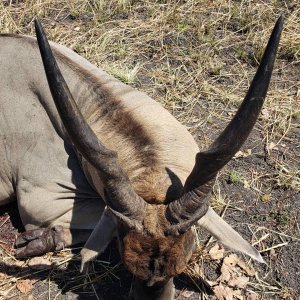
(156, 259)
(108, 115)
(153, 257)
(150, 181)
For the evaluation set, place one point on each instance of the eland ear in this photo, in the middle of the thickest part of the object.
(99, 239)
(223, 232)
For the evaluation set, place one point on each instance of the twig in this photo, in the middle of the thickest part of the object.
(7, 218)
(274, 247)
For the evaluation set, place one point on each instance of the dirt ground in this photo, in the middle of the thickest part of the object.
(197, 59)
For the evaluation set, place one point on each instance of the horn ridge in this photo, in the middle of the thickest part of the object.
(120, 196)
(73, 121)
(208, 163)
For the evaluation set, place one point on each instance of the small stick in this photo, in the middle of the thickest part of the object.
(274, 247)
(7, 218)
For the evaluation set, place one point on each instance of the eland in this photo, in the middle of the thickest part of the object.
(89, 158)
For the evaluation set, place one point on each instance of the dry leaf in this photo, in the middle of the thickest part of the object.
(265, 114)
(232, 268)
(2, 276)
(39, 263)
(24, 285)
(231, 260)
(272, 146)
(187, 294)
(243, 153)
(238, 294)
(225, 273)
(239, 282)
(223, 292)
(216, 252)
(245, 268)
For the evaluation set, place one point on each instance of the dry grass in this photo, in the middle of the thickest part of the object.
(197, 59)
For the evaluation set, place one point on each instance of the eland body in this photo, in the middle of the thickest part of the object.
(88, 158)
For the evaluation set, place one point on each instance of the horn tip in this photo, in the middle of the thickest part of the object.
(37, 22)
(38, 27)
(254, 254)
(280, 21)
(281, 18)
(260, 259)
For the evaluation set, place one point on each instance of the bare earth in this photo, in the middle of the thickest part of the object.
(197, 59)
